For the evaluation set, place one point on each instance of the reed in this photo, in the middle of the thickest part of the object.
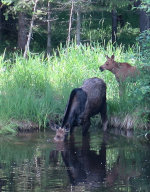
(37, 89)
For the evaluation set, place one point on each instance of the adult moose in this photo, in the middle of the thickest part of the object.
(84, 102)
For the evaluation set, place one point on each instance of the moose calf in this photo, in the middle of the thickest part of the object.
(120, 70)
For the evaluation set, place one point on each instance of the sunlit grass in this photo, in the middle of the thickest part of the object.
(37, 89)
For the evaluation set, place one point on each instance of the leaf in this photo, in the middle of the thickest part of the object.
(7, 2)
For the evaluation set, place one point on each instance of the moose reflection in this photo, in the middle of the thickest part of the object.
(84, 164)
(88, 166)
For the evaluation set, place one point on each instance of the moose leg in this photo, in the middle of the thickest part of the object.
(71, 130)
(104, 118)
(85, 127)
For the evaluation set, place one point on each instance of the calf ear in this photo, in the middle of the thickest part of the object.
(106, 56)
(112, 57)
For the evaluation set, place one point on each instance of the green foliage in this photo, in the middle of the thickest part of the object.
(144, 40)
(8, 128)
(95, 22)
(37, 89)
(113, 4)
(7, 2)
(15, 6)
(145, 5)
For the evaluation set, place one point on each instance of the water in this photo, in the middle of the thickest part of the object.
(33, 162)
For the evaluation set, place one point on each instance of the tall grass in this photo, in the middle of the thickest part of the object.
(37, 89)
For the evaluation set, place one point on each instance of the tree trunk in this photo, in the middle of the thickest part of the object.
(49, 30)
(78, 25)
(0, 25)
(114, 26)
(22, 31)
(30, 31)
(70, 22)
(144, 21)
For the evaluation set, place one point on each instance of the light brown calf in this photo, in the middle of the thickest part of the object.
(120, 70)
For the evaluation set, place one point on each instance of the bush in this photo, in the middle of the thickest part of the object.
(144, 40)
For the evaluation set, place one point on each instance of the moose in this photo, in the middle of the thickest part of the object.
(121, 70)
(84, 102)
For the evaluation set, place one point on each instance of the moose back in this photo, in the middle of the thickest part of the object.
(85, 102)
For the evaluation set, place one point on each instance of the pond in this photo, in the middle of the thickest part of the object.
(96, 162)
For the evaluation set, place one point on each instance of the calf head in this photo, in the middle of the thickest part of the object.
(110, 64)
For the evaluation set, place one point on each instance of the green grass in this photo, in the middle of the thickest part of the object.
(37, 89)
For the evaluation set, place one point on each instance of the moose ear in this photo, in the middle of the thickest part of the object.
(106, 56)
(112, 57)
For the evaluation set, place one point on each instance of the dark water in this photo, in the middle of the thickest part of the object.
(33, 162)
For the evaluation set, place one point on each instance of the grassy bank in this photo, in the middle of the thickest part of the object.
(37, 89)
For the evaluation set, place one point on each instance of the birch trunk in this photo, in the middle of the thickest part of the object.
(78, 25)
(49, 30)
(70, 22)
(30, 31)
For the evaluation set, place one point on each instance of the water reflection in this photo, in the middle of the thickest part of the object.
(84, 165)
(97, 162)
(88, 167)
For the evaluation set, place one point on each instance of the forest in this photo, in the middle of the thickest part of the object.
(48, 47)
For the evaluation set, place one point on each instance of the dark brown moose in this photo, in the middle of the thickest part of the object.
(120, 70)
(84, 102)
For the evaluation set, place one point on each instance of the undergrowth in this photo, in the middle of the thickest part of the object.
(37, 89)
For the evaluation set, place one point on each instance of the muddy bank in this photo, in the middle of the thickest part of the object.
(128, 122)
(26, 126)
(115, 122)
(118, 126)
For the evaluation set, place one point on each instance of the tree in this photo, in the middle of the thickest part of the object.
(70, 21)
(22, 30)
(114, 26)
(144, 21)
(113, 6)
(0, 22)
(78, 7)
(49, 29)
(78, 26)
(144, 15)
(19, 9)
(30, 30)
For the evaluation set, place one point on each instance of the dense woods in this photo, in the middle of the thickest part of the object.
(61, 21)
